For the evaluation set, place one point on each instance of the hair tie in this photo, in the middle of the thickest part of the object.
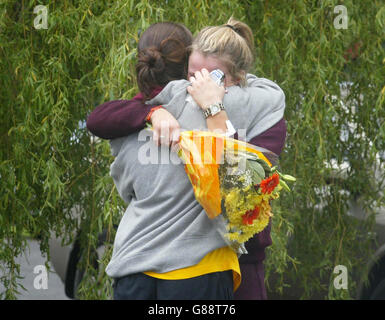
(231, 27)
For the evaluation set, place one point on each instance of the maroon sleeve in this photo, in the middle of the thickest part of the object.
(115, 119)
(272, 139)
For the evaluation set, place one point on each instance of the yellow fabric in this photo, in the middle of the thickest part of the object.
(221, 259)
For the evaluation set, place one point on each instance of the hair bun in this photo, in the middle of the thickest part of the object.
(152, 58)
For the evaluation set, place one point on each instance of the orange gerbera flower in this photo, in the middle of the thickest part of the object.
(269, 184)
(250, 215)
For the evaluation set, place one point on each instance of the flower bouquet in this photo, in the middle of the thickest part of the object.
(233, 181)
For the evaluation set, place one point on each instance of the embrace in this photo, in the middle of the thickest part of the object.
(166, 247)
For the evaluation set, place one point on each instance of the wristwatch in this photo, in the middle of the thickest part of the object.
(213, 109)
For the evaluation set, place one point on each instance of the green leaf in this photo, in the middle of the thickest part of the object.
(257, 171)
(284, 185)
(288, 177)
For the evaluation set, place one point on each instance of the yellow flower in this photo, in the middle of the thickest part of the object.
(237, 203)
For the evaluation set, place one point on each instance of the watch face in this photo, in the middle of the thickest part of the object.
(215, 109)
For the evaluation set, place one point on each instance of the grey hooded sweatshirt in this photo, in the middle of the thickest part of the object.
(164, 228)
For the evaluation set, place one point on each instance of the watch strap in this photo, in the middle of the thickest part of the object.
(209, 111)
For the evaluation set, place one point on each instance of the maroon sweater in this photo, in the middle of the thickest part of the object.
(120, 118)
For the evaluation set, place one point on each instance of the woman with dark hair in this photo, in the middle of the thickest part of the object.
(162, 56)
(125, 117)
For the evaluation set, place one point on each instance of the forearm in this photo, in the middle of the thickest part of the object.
(118, 118)
(217, 122)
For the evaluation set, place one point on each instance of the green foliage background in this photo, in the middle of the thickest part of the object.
(55, 177)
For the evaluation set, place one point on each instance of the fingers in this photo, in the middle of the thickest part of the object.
(175, 135)
(205, 73)
(161, 133)
(166, 133)
(165, 127)
(204, 90)
(198, 79)
(155, 136)
(175, 148)
(198, 75)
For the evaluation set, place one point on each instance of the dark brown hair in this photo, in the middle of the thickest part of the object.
(162, 56)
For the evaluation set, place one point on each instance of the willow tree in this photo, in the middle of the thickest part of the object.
(55, 176)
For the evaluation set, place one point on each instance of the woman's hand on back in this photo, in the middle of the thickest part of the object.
(204, 90)
(166, 128)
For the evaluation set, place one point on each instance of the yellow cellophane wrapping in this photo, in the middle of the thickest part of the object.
(202, 153)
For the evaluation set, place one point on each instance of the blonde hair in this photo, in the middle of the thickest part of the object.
(232, 43)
